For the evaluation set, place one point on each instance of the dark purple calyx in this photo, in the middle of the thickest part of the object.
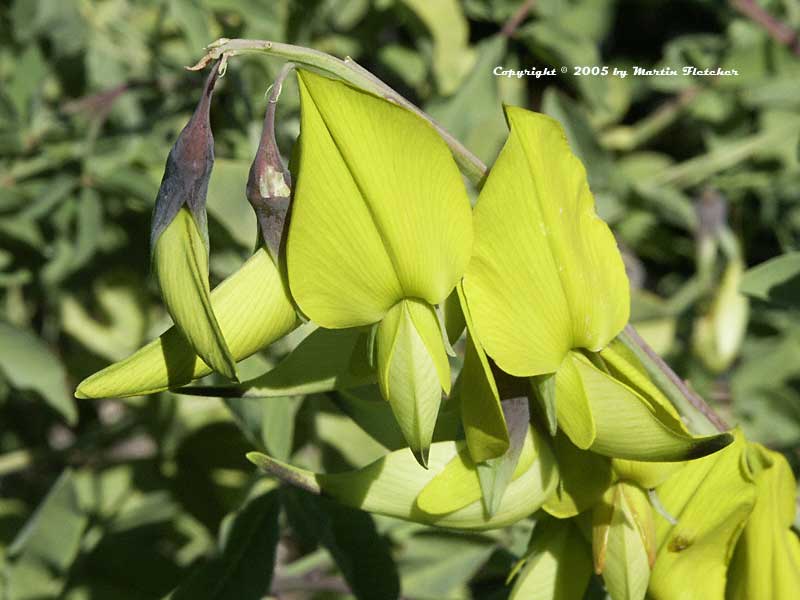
(188, 169)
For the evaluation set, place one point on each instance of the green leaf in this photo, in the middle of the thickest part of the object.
(718, 335)
(544, 390)
(42, 553)
(440, 564)
(481, 413)
(226, 186)
(28, 364)
(360, 552)
(390, 486)
(539, 243)
(180, 260)
(452, 57)
(367, 408)
(399, 224)
(253, 310)
(193, 19)
(242, 566)
(776, 280)
(558, 564)
(711, 500)
(122, 326)
(412, 370)
(268, 425)
(472, 115)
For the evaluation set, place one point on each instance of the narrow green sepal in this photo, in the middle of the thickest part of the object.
(496, 473)
(481, 412)
(544, 390)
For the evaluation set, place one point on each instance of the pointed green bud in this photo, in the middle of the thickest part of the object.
(179, 237)
(718, 335)
(253, 309)
(413, 370)
(557, 565)
(390, 486)
(269, 183)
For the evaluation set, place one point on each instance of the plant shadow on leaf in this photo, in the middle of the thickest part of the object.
(216, 447)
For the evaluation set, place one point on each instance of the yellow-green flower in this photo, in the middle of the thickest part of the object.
(380, 234)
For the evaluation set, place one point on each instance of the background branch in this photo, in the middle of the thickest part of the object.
(779, 31)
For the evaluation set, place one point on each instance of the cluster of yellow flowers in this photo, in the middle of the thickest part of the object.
(385, 258)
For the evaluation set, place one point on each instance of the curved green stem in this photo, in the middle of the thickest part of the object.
(351, 72)
(700, 416)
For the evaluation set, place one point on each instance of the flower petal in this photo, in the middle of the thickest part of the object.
(546, 275)
(253, 310)
(711, 500)
(390, 486)
(629, 427)
(412, 370)
(380, 211)
(180, 260)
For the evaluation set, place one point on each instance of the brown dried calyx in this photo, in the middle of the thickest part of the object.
(269, 182)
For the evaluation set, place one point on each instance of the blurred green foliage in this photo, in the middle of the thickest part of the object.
(698, 176)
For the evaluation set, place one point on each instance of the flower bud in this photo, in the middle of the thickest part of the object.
(269, 182)
(179, 238)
